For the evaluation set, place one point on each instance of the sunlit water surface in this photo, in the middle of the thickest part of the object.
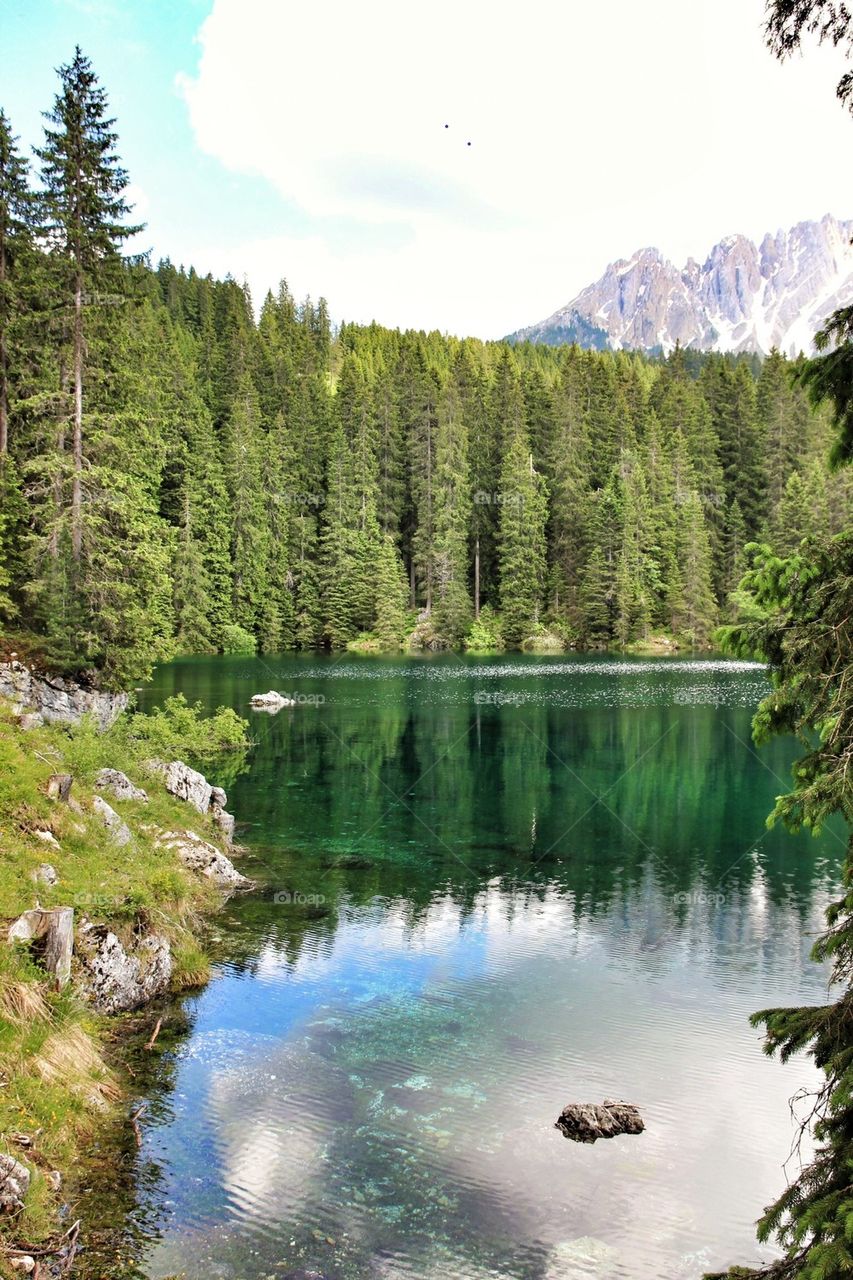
(559, 886)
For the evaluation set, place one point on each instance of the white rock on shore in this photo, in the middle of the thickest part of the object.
(201, 856)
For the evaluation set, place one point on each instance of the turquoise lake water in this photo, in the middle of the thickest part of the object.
(488, 887)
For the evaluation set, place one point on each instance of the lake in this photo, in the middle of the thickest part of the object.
(488, 887)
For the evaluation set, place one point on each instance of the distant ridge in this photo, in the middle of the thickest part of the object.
(744, 297)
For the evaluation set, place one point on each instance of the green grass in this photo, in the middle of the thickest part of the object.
(54, 1079)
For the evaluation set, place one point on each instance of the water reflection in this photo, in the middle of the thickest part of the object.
(472, 913)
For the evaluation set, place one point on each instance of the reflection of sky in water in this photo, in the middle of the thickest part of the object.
(373, 1092)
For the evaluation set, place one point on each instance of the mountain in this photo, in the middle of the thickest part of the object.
(744, 297)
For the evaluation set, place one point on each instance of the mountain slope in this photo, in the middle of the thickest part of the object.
(744, 297)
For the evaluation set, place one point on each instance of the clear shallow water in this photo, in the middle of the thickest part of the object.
(568, 893)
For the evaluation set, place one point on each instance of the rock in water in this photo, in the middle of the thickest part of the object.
(271, 699)
(116, 980)
(589, 1121)
(14, 1184)
(119, 785)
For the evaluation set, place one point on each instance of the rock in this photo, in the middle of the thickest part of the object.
(581, 1259)
(349, 862)
(23, 1262)
(45, 874)
(588, 1121)
(55, 700)
(218, 798)
(58, 786)
(48, 837)
(226, 823)
(119, 785)
(185, 783)
(270, 700)
(114, 979)
(201, 856)
(55, 929)
(14, 1184)
(118, 829)
(54, 1178)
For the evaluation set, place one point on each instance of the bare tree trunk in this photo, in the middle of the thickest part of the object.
(477, 578)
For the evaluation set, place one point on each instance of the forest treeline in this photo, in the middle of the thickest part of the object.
(179, 473)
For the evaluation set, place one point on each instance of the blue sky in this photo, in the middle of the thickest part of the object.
(273, 139)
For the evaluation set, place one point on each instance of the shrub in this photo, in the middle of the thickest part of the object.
(237, 639)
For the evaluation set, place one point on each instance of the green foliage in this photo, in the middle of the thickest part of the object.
(484, 634)
(236, 639)
(180, 729)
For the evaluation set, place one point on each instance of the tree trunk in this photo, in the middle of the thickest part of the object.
(477, 578)
(77, 440)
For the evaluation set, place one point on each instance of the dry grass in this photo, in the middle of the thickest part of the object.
(71, 1057)
(22, 1003)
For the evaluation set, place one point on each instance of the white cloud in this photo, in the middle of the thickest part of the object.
(593, 131)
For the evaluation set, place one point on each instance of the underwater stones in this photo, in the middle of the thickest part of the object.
(14, 1184)
(581, 1259)
(589, 1121)
(199, 855)
(118, 830)
(115, 979)
(53, 928)
(119, 785)
(348, 862)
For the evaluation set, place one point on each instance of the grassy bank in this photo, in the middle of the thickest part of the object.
(60, 1077)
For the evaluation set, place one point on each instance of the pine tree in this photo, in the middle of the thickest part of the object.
(84, 207)
(523, 513)
(452, 609)
(392, 595)
(17, 220)
(698, 612)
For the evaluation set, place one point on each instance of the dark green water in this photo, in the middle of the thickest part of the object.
(567, 893)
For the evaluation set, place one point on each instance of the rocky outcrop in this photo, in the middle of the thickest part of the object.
(53, 931)
(184, 783)
(199, 855)
(587, 1121)
(119, 831)
(744, 297)
(115, 979)
(225, 821)
(40, 699)
(119, 785)
(59, 786)
(14, 1184)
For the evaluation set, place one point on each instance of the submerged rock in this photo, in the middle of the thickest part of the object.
(119, 831)
(14, 1184)
(589, 1121)
(53, 928)
(115, 979)
(349, 862)
(202, 856)
(119, 785)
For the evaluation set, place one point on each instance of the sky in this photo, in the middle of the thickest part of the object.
(327, 143)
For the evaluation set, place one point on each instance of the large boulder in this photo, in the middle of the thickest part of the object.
(184, 783)
(14, 1184)
(589, 1121)
(55, 700)
(271, 700)
(119, 785)
(54, 930)
(119, 831)
(201, 856)
(115, 979)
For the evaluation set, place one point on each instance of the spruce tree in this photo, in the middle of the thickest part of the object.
(523, 506)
